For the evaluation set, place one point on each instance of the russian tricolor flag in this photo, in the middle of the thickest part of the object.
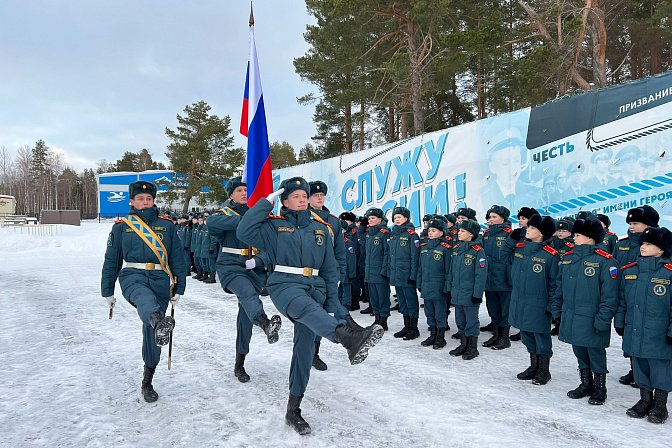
(257, 173)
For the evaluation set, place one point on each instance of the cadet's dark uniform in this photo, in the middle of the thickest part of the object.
(351, 255)
(610, 240)
(432, 279)
(627, 248)
(402, 267)
(498, 284)
(562, 245)
(146, 290)
(374, 251)
(466, 282)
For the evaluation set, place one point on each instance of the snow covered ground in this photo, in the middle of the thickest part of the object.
(71, 377)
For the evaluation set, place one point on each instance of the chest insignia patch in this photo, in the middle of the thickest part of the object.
(659, 290)
(286, 229)
(589, 271)
(537, 268)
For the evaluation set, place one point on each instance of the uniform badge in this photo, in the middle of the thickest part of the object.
(613, 271)
(467, 261)
(417, 243)
(589, 271)
(351, 250)
(481, 262)
(499, 243)
(319, 239)
(110, 240)
(402, 243)
(160, 236)
(659, 290)
(376, 242)
(437, 257)
(537, 268)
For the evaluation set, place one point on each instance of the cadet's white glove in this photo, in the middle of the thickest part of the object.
(250, 264)
(271, 197)
(175, 299)
(110, 301)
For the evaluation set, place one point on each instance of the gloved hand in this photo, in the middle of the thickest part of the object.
(250, 264)
(669, 339)
(516, 234)
(556, 321)
(447, 295)
(411, 282)
(620, 331)
(271, 197)
(176, 298)
(477, 300)
(211, 251)
(110, 301)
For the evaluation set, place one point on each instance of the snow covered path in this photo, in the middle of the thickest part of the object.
(71, 377)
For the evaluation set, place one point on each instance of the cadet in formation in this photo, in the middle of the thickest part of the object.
(584, 303)
(303, 284)
(644, 319)
(374, 254)
(242, 274)
(154, 273)
(349, 289)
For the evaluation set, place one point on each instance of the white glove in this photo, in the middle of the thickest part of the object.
(110, 301)
(271, 197)
(175, 299)
(250, 264)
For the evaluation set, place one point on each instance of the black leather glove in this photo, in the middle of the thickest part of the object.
(548, 312)
(556, 321)
(477, 300)
(669, 339)
(411, 282)
(621, 330)
(516, 234)
(211, 251)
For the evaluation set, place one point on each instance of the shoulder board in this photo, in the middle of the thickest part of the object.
(550, 250)
(629, 265)
(453, 231)
(623, 238)
(507, 229)
(603, 253)
(668, 266)
(118, 221)
(486, 230)
(568, 244)
(568, 253)
(221, 210)
(423, 244)
(167, 219)
(345, 238)
(320, 220)
(411, 231)
(446, 245)
(611, 233)
(476, 248)
(383, 230)
(276, 216)
(520, 245)
(354, 231)
(334, 216)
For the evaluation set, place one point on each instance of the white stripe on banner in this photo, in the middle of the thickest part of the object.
(254, 93)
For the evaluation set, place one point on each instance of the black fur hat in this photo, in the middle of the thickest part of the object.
(317, 186)
(232, 184)
(644, 214)
(583, 214)
(437, 224)
(441, 217)
(471, 226)
(499, 210)
(427, 217)
(292, 184)
(545, 224)
(142, 186)
(403, 211)
(590, 227)
(378, 213)
(467, 212)
(450, 217)
(348, 216)
(527, 212)
(659, 237)
(605, 220)
(564, 224)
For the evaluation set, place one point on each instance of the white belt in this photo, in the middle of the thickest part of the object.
(146, 266)
(306, 272)
(231, 250)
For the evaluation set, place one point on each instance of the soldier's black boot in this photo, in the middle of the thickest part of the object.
(543, 375)
(629, 378)
(210, 278)
(493, 340)
(440, 341)
(503, 340)
(367, 310)
(148, 391)
(395, 307)
(431, 339)
(460, 349)
(239, 369)
(293, 416)
(199, 274)
(515, 337)
(271, 327)
(659, 412)
(642, 408)
(531, 371)
(354, 304)
(413, 332)
(585, 388)
(358, 341)
(490, 327)
(317, 361)
(162, 325)
(455, 335)
(599, 395)
(472, 348)
(404, 331)
(383, 322)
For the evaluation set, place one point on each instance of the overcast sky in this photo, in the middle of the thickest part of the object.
(97, 78)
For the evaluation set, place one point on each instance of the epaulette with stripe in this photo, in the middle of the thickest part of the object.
(486, 231)
(276, 216)
(453, 231)
(411, 231)
(568, 253)
(507, 229)
(628, 265)
(163, 217)
(383, 230)
(623, 238)
(345, 238)
(334, 216)
(611, 233)
(422, 244)
(314, 217)
(603, 253)
(571, 245)
(446, 245)
(118, 221)
(476, 248)
(520, 244)
(668, 266)
(550, 250)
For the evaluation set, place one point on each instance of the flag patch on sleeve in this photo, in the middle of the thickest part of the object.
(613, 271)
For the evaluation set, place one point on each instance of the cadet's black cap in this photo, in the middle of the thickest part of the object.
(605, 220)
(450, 217)
(441, 217)
(378, 213)
(317, 186)
(545, 225)
(499, 210)
(427, 217)
(527, 212)
(644, 214)
(234, 183)
(564, 224)
(584, 214)
(403, 211)
(142, 186)
(590, 227)
(467, 212)
(659, 237)
(471, 226)
(437, 224)
(349, 216)
(292, 184)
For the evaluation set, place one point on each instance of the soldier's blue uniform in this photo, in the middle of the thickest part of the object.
(374, 251)
(432, 279)
(466, 281)
(402, 267)
(498, 284)
(627, 248)
(351, 257)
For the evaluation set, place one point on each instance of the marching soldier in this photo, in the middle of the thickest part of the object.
(241, 275)
(154, 273)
